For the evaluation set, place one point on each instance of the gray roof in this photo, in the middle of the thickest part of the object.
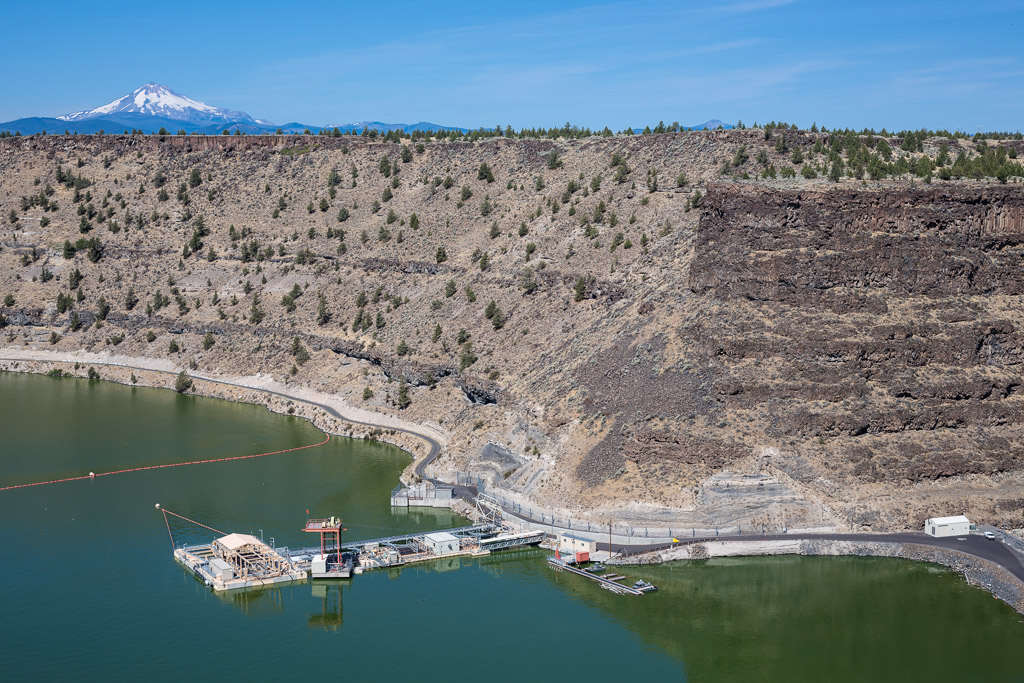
(958, 519)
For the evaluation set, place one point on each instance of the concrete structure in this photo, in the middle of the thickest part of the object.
(947, 526)
(424, 494)
(441, 543)
(570, 543)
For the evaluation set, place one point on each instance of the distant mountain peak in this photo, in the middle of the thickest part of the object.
(154, 99)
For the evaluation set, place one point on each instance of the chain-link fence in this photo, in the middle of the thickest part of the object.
(533, 517)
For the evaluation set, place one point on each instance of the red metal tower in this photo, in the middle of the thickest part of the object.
(330, 534)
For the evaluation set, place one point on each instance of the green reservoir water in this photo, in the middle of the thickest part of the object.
(90, 590)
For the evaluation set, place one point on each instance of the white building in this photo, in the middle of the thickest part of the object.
(441, 543)
(569, 543)
(947, 526)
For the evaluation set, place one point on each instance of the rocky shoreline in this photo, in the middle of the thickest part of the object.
(163, 378)
(976, 571)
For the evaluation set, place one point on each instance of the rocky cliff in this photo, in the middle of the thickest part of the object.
(876, 331)
(604, 326)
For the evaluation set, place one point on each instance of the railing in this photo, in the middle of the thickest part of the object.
(392, 539)
(1010, 540)
(621, 535)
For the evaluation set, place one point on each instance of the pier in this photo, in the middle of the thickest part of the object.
(610, 582)
(235, 561)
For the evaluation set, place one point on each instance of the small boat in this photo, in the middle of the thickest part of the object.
(595, 568)
(644, 587)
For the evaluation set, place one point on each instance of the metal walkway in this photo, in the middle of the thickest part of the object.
(477, 531)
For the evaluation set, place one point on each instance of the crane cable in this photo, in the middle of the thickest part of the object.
(166, 512)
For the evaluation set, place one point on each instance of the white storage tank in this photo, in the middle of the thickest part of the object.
(947, 526)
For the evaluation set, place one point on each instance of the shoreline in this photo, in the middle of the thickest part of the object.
(278, 398)
(974, 570)
(329, 414)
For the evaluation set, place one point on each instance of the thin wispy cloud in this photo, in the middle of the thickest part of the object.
(753, 6)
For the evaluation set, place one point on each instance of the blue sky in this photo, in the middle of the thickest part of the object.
(894, 64)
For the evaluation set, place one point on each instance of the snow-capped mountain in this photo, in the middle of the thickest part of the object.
(155, 108)
(158, 100)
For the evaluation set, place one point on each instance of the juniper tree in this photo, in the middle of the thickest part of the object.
(467, 357)
(103, 308)
(403, 401)
(256, 313)
(323, 316)
(580, 289)
(183, 383)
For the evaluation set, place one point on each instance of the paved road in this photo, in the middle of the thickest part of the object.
(976, 545)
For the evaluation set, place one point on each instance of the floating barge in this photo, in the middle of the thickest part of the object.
(243, 561)
(238, 561)
(393, 551)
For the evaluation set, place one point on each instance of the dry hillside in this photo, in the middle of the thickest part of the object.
(601, 325)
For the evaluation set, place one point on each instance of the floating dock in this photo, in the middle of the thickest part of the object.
(392, 551)
(609, 582)
(243, 561)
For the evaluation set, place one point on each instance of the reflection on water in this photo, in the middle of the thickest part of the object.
(329, 593)
(253, 602)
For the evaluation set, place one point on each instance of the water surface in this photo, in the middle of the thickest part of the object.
(90, 588)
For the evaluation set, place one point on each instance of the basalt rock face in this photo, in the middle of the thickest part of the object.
(860, 245)
(879, 330)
